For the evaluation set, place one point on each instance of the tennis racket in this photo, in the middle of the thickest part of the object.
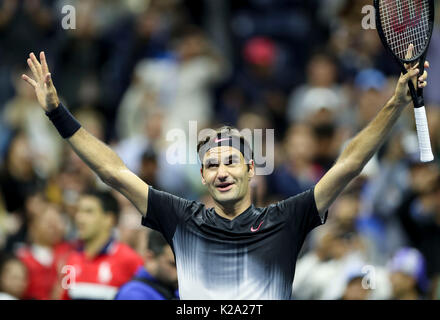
(399, 24)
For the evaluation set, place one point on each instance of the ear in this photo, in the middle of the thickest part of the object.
(251, 169)
(201, 173)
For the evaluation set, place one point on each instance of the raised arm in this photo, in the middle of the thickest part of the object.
(363, 146)
(97, 155)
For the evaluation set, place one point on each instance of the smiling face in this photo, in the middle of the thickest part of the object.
(226, 175)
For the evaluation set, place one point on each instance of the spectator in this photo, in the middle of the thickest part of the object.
(320, 91)
(18, 176)
(328, 261)
(298, 172)
(157, 279)
(13, 278)
(260, 73)
(142, 35)
(34, 204)
(44, 252)
(365, 282)
(371, 88)
(100, 264)
(128, 230)
(20, 113)
(148, 170)
(408, 275)
(419, 213)
(24, 24)
(180, 85)
(354, 289)
(337, 263)
(80, 56)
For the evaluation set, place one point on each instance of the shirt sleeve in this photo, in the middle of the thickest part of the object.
(301, 213)
(165, 211)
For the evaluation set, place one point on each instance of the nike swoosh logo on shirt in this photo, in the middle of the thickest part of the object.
(255, 230)
(217, 140)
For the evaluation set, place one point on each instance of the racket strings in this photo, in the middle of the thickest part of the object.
(405, 22)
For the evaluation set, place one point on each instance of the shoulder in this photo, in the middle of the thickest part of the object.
(301, 206)
(299, 200)
(162, 201)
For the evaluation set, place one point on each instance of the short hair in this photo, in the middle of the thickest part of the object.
(223, 131)
(156, 242)
(107, 200)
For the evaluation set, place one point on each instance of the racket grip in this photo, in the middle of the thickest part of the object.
(423, 135)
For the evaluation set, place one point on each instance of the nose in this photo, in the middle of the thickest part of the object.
(222, 172)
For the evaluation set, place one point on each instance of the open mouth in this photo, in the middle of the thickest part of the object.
(225, 186)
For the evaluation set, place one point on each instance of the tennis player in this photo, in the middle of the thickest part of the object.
(234, 250)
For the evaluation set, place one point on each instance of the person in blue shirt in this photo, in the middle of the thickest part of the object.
(157, 279)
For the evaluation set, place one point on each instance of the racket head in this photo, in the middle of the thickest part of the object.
(402, 22)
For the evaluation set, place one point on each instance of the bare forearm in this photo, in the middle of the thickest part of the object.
(110, 168)
(355, 156)
(360, 150)
(366, 143)
(97, 155)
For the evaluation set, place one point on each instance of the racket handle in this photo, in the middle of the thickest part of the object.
(423, 135)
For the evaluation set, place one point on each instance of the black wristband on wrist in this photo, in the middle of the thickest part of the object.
(64, 121)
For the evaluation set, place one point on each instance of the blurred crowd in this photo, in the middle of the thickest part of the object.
(133, 70)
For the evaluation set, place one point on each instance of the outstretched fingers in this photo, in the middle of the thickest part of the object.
(45, 68)
(37, 65)
(29, 80)
(33, 68)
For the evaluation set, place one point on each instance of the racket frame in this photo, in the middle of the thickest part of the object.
(416, 94)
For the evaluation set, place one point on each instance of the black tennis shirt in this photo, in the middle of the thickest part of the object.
(250, 257)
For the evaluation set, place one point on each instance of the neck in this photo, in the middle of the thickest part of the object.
(39, 241)
(233, 209)
(93, 246)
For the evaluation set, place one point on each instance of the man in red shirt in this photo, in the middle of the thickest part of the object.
(45, 251)
(100, 264)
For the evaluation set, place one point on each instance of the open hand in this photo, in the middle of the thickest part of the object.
(42, 82)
